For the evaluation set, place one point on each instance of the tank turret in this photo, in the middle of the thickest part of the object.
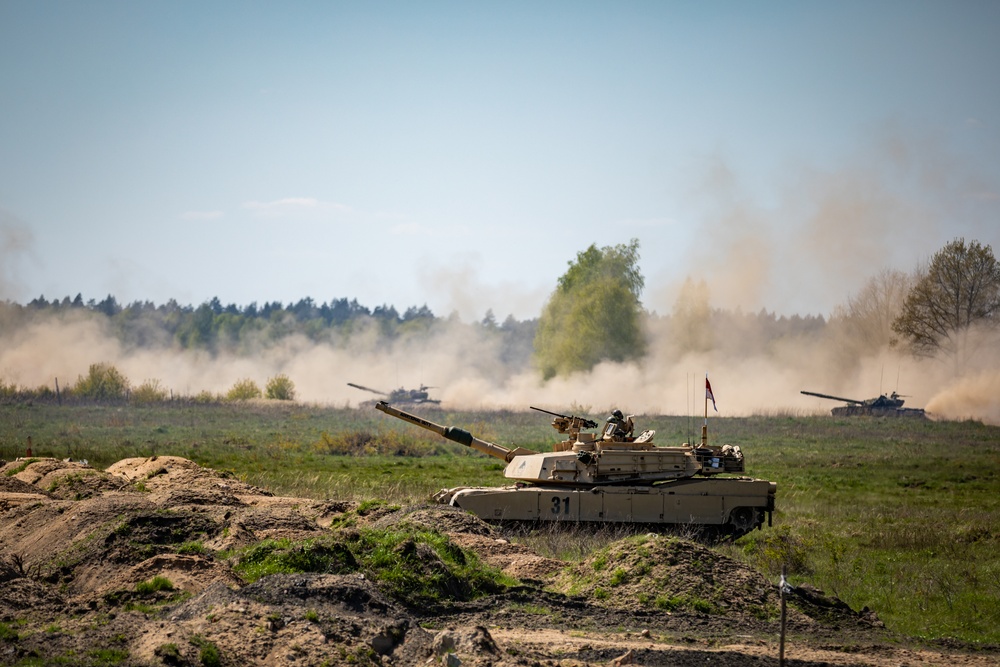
(609, 476)
(589, 459)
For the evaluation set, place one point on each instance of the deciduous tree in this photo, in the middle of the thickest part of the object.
(871, 312)
(595, 314)
(957, 292)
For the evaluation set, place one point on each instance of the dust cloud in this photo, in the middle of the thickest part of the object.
(15, 244)
(825, 234)
(751, 373)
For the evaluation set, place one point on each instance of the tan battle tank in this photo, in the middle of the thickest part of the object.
(611, 477)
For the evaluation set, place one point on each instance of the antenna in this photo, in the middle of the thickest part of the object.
(688, 390)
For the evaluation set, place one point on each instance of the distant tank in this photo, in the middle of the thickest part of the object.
(611, 477)
(882, 406)
(410, 396)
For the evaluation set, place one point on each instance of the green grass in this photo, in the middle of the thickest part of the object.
(415, 566)
(7, 633)
(899, 515)
(154, 585)
(286, 557)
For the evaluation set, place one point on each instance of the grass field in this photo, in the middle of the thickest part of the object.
(899, 515)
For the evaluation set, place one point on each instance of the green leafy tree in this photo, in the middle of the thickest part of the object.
(243, 390)
(595, 314)
(958, 292)
(280, 388)
(103, 382)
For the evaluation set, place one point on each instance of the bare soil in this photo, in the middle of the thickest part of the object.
(75, 542)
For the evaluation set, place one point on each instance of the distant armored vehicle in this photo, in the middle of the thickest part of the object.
(611, 477)
(411, 396)
(882, 406)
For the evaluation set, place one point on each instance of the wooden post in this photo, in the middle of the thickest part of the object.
(58, 396)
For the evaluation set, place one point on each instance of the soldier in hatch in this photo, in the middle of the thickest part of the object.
(618, 426)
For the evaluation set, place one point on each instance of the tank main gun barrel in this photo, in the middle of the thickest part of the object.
(374, 391)
(853, 401)
(458, 435)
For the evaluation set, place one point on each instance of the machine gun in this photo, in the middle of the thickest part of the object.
(568, 423)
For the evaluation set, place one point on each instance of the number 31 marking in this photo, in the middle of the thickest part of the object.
(560, 505)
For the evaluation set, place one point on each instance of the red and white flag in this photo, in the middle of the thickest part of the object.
(708, 393)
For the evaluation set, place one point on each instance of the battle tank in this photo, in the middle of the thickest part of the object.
(881, 406)
(611, 477)
(413, 396)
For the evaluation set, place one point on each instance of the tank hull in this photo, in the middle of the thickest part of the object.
(737, 505)
(868, 411)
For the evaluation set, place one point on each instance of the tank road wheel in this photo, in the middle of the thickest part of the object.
(742, 520)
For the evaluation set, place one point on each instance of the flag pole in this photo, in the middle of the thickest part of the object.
(704, 426)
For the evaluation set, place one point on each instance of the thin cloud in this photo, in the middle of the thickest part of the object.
(202, 215)
(294, 206)
(986, 195)
(450, 231)
(410, 229)
(646, 223)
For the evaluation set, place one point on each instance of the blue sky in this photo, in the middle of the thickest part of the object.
(459, 154)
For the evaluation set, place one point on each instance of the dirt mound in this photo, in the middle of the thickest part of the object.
(57, 478)
(142, 564)
(514, 560)
(14, 492)
(442, 518)
(9, 484)
(670, 574)
(665, 572)
(191, 573)
(169, 474)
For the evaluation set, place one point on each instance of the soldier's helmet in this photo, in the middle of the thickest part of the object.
(617, 414)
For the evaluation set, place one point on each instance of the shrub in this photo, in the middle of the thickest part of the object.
(103, 382)
(204, 397)
(208, 653)
(243, 390)
(148, 392)
(280, 388)
(8, 391)
(769, 550)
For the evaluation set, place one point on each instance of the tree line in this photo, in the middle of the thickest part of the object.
(949, 308)
(213, 326)
(594, 315)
